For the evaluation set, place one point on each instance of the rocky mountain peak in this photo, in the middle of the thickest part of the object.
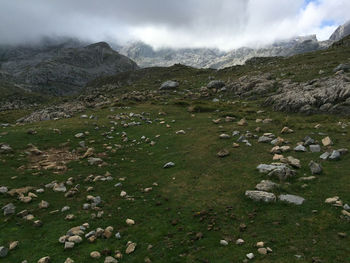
(341, 32)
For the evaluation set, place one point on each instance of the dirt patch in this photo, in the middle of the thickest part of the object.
(52, 159)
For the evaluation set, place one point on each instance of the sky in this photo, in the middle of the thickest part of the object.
(223, 24)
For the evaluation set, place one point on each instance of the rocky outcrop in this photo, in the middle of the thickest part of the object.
(341, 32)
(328, 95)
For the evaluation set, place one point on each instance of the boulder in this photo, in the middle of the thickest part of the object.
(293, 199)
(315, 168)
(216, 84)
(169, 85)
(260, 196)
(265, 185)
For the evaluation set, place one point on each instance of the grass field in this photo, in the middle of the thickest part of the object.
(195, 204)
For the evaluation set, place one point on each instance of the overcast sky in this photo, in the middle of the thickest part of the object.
(224, 24)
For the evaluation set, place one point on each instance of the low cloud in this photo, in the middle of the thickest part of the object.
(223, 24)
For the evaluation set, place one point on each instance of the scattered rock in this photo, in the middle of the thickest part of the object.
(130, 247)
(3, 252)
(169, 165)
(293, 199)
(250, 255)
(95, 254)
(265, 185)
(169, 85)
(315, 168)
(45, 260)
(261, 196)
(223, 242)
(327, 141)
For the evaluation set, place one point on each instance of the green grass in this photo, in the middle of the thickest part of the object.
(200, 181)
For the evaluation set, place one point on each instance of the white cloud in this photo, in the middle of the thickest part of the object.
(224, 24)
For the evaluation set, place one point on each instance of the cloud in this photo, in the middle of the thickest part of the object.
(224, 24)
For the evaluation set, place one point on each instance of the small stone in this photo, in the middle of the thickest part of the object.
(335, 155)
(223, 153)
(9, 209)
(69, 245)
(13, 245)
(332, 200)
(3, 190)
(43, 204)
(239, 241)
(315, 148)
(75, 239)
(260, 244)
(169, 165)
(300, 148)
(45, 260)
(65, 208)
(223, 242)
(345, 213)
(327, 141)
(250, 255)
(224, 136)
(315, 168)
(110, 259)
(293, 199)
(325, 156)
(95, 254)
(262, 251)
(70, 217)
(130, 247)
(3, 252)
(286, 130)
(130, 222)
(242, 122)
(79, 135)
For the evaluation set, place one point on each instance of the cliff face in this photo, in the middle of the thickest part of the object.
(62, 69)
(341, 32)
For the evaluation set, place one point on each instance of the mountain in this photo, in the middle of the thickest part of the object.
(60, 68)
(341, 32)
(146, 56)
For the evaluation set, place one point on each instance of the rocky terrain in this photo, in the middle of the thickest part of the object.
(341, 32)
(249, 163)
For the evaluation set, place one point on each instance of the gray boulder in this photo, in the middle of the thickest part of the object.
(216, 84)
(5, 148)
(315, 148)
(169, 85)
(344, 67)
(325, 156)
(293, 199)
(266, 185)
(335, 155)
(315, 168)
(3, 251)
(9, 209)
(300, 148)
(260, 196)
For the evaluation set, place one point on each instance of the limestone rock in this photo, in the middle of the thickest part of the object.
(169, 85)
(315, 168)
(293, 199)
(261, 196)
(265, 185)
